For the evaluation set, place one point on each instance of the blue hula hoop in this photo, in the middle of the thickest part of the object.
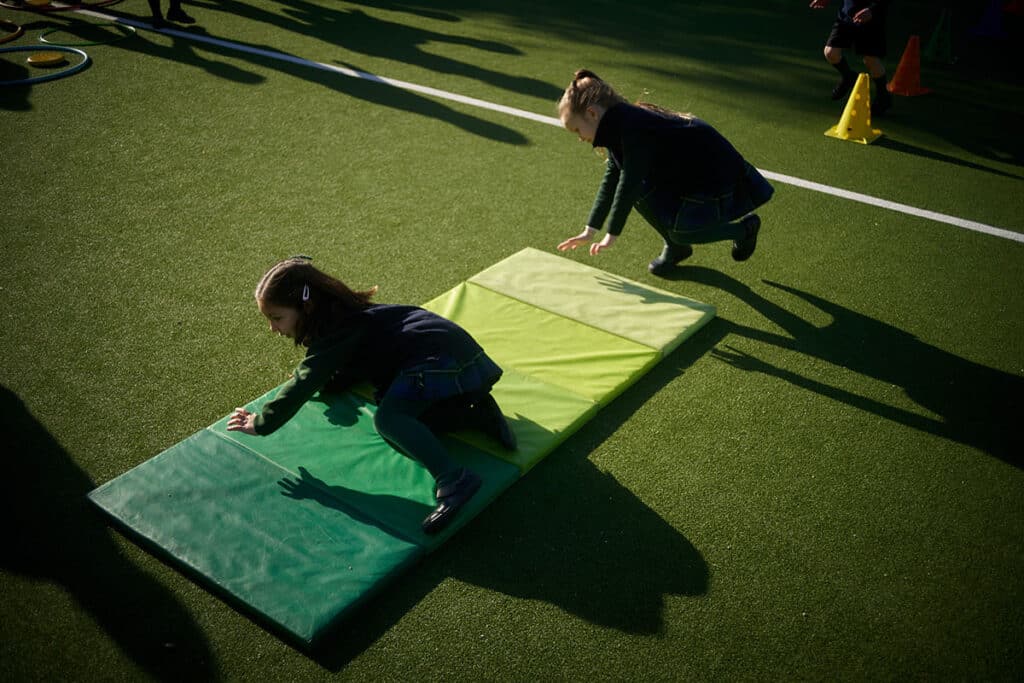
(50, 76)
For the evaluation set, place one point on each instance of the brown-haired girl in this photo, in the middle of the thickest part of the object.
(428, 372)
(683, 177)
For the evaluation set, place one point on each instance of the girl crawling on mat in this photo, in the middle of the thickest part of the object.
(429, 373)
(684, 178)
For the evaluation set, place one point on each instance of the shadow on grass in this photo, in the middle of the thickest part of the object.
(54, 536)
(208, 53)
(356, 31)
(907, 148)
(567, 534)
(976, 405)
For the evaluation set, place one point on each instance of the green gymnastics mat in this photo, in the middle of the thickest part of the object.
(300, 527)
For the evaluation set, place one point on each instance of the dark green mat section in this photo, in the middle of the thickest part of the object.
(217, 509)
(333, 439)
(301, 526)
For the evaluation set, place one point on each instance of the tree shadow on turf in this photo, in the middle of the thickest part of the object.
(219, 60)
(54, 536)
(907, 148)
(356, 31)
(976, 405)
(568, 535)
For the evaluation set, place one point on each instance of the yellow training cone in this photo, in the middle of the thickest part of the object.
(855, 123)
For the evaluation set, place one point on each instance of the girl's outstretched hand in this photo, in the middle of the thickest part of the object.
(580, 239)
(242, 421)
(596, 249)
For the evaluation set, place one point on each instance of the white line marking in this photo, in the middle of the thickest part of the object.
(553, 121)
(894, 206)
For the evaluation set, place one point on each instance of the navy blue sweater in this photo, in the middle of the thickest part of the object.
(649, 151)
(375, 345)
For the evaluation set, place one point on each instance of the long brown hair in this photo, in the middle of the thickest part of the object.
(320, 299)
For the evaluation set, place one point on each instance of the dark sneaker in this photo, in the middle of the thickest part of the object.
(177, 15)
(671, 255)
(450, 499)
(843, 87)
(158, 23)
(743, 248)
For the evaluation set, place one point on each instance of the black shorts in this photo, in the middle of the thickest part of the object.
(868, 39)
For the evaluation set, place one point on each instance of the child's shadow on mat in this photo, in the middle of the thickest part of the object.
(976, 405)
(309, 487)
(644, 294)
(54, 535)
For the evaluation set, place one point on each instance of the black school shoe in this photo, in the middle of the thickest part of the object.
(450, 498)
(742, 249)
(177, 15)
(671, 256)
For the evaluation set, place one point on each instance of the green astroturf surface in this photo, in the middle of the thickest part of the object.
(823, 483)
(358, 503)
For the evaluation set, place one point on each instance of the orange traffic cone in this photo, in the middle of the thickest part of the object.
(907, 80)
(855, 123)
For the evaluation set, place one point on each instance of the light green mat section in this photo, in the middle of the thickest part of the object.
(586, 361)
(541, 415)
(644, 314)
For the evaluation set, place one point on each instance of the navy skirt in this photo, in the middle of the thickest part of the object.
(670, 213)
(443, 377)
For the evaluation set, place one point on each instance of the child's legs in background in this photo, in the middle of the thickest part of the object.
(871, 46)
(875, 66)
(839, 39)
(398, 421)
(833, 55)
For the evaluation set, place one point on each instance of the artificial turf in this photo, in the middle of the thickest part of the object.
(823, 483)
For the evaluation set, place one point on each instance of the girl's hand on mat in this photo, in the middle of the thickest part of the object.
(608, 241)
(242, 421)
(582, 238)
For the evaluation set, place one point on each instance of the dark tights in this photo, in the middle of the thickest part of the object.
(410, 426)
(154, 6)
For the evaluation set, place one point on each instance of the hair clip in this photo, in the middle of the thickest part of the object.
(305, 292)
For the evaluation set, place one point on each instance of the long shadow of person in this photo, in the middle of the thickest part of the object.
(181, 51)
(976, 405)
(53, 535)
(198, 48)
(358, 32)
